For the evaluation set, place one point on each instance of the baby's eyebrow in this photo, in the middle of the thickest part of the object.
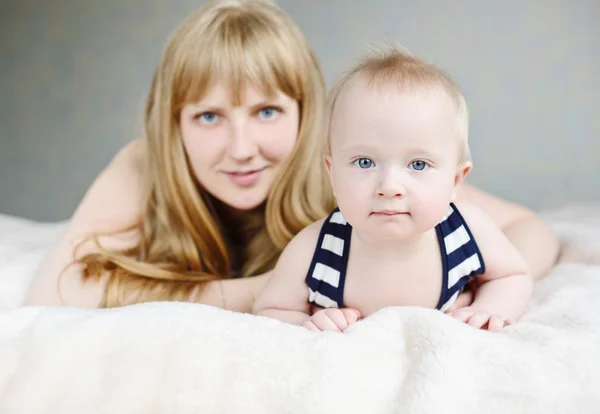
(359, 148)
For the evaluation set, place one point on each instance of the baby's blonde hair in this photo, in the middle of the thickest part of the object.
(386, 64)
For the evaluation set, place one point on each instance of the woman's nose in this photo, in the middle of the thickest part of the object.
(242, 145)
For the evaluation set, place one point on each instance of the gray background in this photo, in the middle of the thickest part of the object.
(73, 76)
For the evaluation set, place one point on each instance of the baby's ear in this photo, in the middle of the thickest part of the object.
(463, 169)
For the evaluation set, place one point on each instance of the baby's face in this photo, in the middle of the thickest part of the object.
(394, 160)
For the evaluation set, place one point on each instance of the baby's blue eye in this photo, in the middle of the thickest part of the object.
(208, 117)
(268, 113)
(418, 165)
(364, 163)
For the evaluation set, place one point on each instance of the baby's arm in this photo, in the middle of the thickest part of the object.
(285, 296)
(504, 290)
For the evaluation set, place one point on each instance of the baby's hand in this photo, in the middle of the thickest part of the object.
(332, 319)
(480, 319)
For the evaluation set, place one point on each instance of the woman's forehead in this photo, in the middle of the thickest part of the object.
(224, 94)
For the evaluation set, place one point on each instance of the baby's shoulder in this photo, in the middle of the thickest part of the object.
(302, 246)
(308, 236)
(483, 228)
(473, 215)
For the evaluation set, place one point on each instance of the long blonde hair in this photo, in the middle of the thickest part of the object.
(183, 236)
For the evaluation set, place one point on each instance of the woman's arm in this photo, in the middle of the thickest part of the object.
(236, 295)
(532, 237)
(111, 204)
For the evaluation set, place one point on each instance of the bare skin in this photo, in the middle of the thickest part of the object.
(373, 280)
(113, 202)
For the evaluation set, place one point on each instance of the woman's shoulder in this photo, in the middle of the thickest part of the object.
(110, 207)
(127, 168)
(114, 199)
(130, 158)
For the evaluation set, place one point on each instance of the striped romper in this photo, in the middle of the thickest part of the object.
(461, 260)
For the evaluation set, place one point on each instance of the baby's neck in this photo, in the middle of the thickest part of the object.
(384, 248)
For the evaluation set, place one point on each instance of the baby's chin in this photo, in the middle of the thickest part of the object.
(388, 233)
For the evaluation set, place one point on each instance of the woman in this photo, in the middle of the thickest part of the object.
(228, 171)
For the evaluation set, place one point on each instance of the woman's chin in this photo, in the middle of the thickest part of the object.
(246, 203)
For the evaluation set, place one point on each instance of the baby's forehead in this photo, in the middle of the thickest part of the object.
(359, 89)
(412, 118)
(363, 104)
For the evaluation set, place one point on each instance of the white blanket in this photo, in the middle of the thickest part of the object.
(184, 358)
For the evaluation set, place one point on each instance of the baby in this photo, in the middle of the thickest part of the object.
(396, 152)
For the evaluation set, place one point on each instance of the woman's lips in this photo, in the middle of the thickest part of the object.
(245, 178)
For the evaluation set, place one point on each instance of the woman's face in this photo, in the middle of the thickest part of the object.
(236, 152)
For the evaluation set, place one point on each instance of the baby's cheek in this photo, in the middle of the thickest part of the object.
(433, 209)
(347, 191)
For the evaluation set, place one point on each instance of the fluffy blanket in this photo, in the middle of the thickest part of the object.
(185, 358)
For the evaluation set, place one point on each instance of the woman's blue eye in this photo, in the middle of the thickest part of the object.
(364, 163)
(418, 165)
(268, 113)
(208, 117)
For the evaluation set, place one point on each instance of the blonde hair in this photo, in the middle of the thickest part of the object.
(183, 236)
(386, 64)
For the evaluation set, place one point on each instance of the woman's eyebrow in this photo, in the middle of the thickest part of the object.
(205, 107)
(266, 102)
